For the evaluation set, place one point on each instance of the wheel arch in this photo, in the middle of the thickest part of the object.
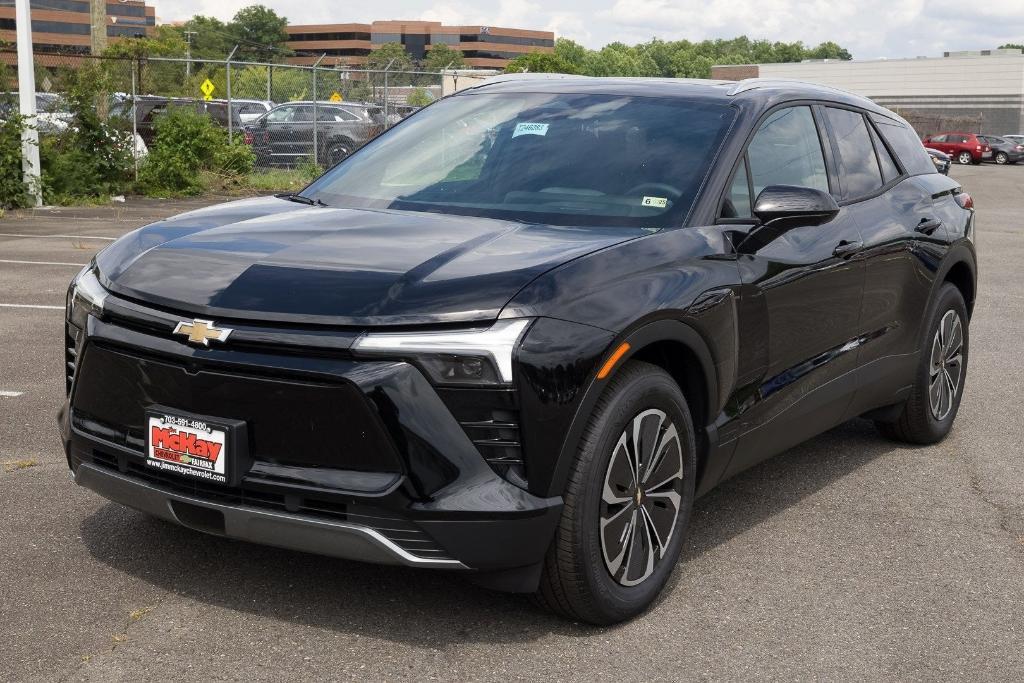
(678, 349)
(962, 275)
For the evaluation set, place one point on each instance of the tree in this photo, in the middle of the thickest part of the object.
(209, 37)
(389, 53)
(260, 34)
(1012, 46)
(540, 62)
(440, 56)
(829, 50)
(419, 98)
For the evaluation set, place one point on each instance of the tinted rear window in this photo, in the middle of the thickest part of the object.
(907, 145)
(858, 166)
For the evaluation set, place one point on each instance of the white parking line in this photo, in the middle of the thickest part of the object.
(44, 263)
(69, 237)
(10, 394)
(49, 308)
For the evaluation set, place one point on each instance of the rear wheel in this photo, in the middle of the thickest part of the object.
(627, 503)
(964, 158)
(929, 412)
(337, 151)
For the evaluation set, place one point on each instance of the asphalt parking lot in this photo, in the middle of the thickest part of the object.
(847, 557)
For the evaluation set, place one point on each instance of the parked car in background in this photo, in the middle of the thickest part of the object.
(284, 135)
(965, 148)
(250, 110)
(1015, 137)
(149, 108)
(1004, 151)
(940, 159)
(52, 114)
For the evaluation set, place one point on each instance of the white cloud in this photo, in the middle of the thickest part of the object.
(868, 28)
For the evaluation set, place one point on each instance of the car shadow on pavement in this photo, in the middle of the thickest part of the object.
(428, 608)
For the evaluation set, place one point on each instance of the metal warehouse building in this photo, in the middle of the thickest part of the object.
(979, 91)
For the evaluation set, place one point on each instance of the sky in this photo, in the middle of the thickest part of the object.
(870, 29)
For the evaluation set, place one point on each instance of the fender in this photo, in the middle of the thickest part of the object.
(960, 252)
(638, 337)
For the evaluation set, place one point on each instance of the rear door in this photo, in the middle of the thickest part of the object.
(802, 301)
(904, 223)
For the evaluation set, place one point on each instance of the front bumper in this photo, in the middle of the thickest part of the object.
(402, 482)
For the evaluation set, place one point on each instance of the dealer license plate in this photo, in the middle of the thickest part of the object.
(188, 446)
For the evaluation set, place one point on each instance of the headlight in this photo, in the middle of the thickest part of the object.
(462, 357)
(86, 295)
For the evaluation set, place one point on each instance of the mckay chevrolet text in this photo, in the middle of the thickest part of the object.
(518, 334)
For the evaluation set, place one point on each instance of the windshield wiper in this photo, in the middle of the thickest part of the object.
(301, 199)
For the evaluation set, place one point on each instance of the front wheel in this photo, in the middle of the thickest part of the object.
(338, 152)
(964, 158)
(627, 503)
(929, 412)
(1001, 158)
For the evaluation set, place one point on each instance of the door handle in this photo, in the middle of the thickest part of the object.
(846, 249)
(928, 225)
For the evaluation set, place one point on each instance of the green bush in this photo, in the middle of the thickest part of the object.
(186, 145)
(14, 192)
(91, 159)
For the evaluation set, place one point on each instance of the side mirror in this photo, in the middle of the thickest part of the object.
(781, 208)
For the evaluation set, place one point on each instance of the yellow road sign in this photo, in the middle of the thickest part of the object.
(335, 96)
(207, 87)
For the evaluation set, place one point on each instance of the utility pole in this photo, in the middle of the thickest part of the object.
(27, 100)
(188, 53)
(98, 28)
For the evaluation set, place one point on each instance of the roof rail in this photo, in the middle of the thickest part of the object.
(754, 83)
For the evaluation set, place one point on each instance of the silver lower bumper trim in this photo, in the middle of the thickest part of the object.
(284, 530)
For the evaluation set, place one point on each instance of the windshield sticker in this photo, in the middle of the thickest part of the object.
(530, 129)
(660, 202)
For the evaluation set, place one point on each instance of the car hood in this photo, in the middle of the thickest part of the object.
(274, 260)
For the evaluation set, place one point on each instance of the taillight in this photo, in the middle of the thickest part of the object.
(978, 148)
(964, 200)
(248, 138)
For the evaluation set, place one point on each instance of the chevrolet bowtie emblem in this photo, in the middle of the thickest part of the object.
(202, 331)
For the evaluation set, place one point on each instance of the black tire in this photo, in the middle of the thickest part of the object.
(964, 158)
(1001, 158)
(918, 423)
(577, 581)
(337, 151)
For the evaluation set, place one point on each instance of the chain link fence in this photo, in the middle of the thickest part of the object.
(289, 114)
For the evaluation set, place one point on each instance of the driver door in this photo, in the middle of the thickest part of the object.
(802, 296)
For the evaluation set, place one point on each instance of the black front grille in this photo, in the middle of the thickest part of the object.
(400, 531)
(289, 420)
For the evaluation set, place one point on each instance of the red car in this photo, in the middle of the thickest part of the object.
(965, 148)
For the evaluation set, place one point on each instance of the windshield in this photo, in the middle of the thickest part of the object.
(540, 158)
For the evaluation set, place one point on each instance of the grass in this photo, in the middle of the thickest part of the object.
(14, 465)
(278, 180)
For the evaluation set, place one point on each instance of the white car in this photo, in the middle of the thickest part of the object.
(1017, 138)
(250, 110)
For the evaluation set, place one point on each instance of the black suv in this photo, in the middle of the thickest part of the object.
(284, 135)
(520, 332)
(149, 108)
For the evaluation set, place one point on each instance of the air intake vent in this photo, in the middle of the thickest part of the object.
(71, 334)
(490, 419)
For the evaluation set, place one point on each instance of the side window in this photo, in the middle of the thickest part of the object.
(303, 114)
(938, 138)
(890, 171)
(906, 144)
(786, 150)
(736, 203)
(282, 115)
(858, 167)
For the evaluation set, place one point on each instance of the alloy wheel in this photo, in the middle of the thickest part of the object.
(964, 158)
(946, 368)
(641, 497)
(1001, 158)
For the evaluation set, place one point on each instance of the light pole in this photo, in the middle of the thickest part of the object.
(188, 53)
(27, 100)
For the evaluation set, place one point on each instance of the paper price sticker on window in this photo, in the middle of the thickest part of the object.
(658, 202)
(530, 129)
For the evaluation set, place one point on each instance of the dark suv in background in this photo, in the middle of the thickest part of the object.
(964, 148)
(284, 135)
(517, 335)
(149, 108)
